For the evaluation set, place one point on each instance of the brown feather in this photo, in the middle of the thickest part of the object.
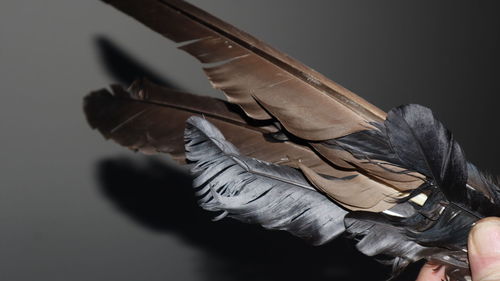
(386, 173)
(260, 79)
(356, 193)
(151, 119)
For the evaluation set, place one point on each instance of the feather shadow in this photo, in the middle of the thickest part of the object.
(124, 67)
(159, 197)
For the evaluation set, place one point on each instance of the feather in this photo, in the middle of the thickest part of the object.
(151, 119)
(139, 118)
(356, 192)
(384, 172)
(375, 156)
(409, 146)
(422, 144)
(262, 80)
(379, 236)
(253, 191)
(484, 183)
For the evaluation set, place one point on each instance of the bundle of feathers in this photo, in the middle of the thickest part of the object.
(292, 150)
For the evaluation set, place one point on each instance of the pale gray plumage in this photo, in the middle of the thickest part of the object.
(253, 191)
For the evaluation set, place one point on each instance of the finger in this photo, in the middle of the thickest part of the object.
(431, 272)
(484, 250)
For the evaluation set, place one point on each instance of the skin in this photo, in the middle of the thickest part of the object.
(484, 254)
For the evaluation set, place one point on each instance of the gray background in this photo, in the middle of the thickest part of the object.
(74, 207)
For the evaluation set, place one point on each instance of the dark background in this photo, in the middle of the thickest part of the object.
(74, 207)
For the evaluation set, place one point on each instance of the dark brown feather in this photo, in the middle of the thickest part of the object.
(358, 192)
(262, 80)
(151, 119)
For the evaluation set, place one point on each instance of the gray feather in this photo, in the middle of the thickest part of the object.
(253, 191)
(380, 236)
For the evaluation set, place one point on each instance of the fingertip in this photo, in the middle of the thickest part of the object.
(484, 249)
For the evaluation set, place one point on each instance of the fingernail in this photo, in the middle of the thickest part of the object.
(484, 238)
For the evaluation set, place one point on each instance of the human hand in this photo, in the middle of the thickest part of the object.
(484, 254)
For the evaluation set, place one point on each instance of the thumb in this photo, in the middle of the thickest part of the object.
(484, 250)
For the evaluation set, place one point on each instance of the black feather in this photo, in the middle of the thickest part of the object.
(413, 139)
(484, 183)
(424, 145)
(367, 144)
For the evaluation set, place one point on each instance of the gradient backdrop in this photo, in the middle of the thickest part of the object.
(74, 207)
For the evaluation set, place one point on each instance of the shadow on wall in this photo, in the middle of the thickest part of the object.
(124, 68)
(159, 197)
